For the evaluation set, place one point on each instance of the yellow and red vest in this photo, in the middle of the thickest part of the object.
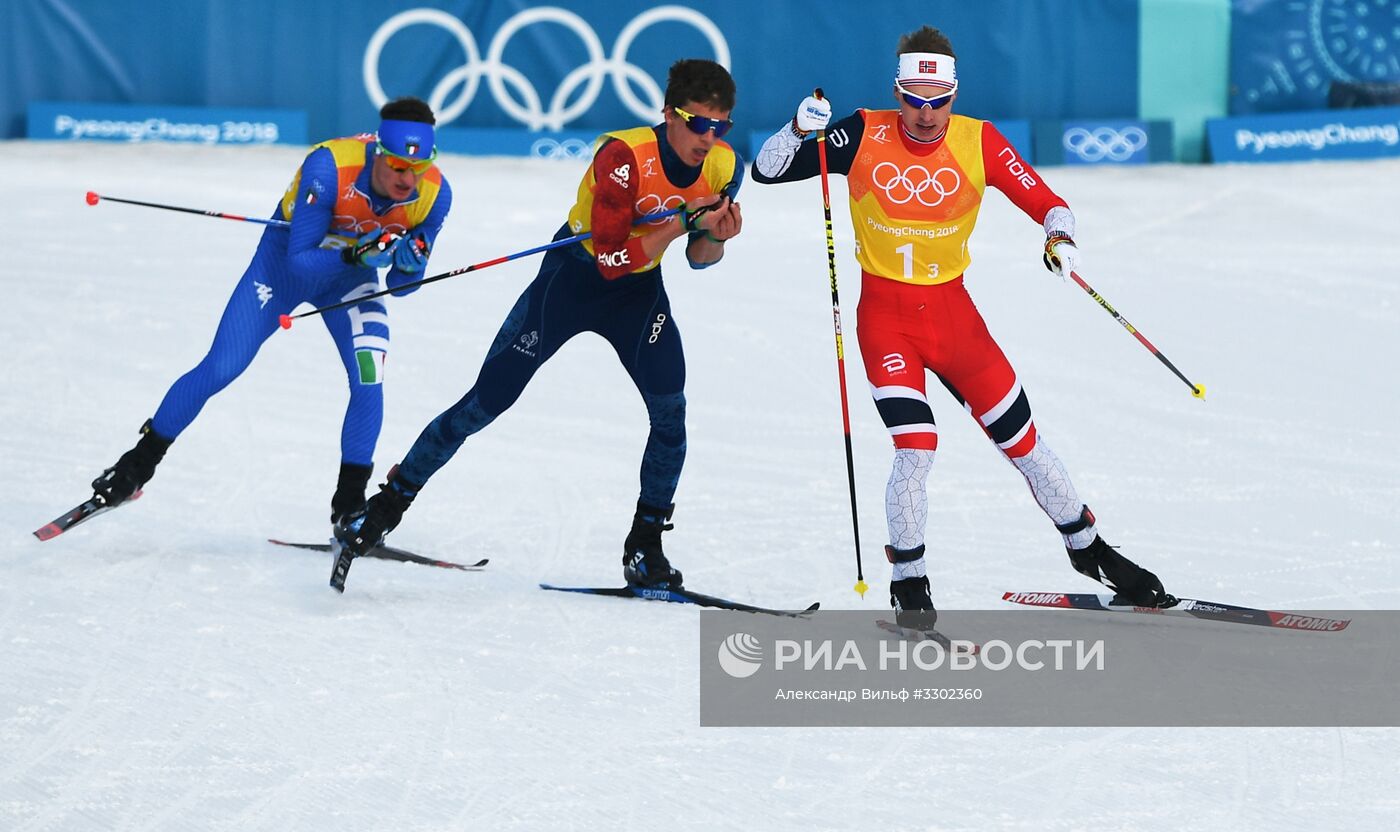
(913, 214)
(654, 191)
(353, 215)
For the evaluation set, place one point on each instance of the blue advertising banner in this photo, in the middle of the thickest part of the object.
(506, 141)
(1018, 132)
(1286, 54)
(153, 123)
(1287, 137)
(563, 65)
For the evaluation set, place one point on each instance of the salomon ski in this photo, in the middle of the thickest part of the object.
(391, 553)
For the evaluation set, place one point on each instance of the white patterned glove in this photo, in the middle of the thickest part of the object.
(812, 114)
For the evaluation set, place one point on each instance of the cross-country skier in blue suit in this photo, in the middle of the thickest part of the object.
(611, 285)
(378, 194)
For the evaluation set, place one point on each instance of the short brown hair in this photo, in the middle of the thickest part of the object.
(927, 39)
(699, 81)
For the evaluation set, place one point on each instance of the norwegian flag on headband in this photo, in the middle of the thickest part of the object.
(930, 67)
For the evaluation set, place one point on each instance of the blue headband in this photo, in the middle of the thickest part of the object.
(410, 139)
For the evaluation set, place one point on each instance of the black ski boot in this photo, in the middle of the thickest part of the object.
(910, 598)
(363, 529)
(133, 470)
(643, 563)
(349, 494)
(1131, 584)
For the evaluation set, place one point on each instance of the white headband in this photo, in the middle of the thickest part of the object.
(927, 68)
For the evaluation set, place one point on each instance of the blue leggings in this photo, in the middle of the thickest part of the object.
(266, 291)
(568, 297)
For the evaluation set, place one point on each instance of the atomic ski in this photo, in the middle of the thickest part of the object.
(391, 553)
(79, 514)
(677, 596)
(1185, 607)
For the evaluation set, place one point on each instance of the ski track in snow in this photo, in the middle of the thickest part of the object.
(164, 668)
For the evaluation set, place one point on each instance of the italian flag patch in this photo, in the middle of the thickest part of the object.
(371, 366)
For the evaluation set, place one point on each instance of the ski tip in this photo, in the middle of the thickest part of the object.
(816, 606)
(48, 532)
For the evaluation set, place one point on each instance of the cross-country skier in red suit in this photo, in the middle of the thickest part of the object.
(916, 176)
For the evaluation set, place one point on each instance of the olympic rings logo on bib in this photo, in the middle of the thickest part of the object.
(653, 204)
(914, 182)
(528, 109)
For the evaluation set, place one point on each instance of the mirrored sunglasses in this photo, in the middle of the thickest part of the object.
(399, 164)
(919, 102)
(699, 125)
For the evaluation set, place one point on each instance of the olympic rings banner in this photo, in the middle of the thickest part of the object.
(1102, 142)
(566, 65)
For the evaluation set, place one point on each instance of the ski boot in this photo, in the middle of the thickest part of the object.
(1132, 585)
(643, 563)
(363, 529)
(349, 494)
(910, 598)
(133, 470)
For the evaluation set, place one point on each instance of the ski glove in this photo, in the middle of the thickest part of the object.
(812, 114)
(374, 250)
(1061, 254)
(412, 254)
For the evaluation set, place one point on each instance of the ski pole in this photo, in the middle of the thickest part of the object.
(1197, 390)
(93, 197)
(860, 586)
(286, 320)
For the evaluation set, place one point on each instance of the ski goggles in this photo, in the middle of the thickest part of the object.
(919, 102)
(700, 125)
(399, 164)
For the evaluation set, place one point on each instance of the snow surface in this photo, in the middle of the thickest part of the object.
(164, 668)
